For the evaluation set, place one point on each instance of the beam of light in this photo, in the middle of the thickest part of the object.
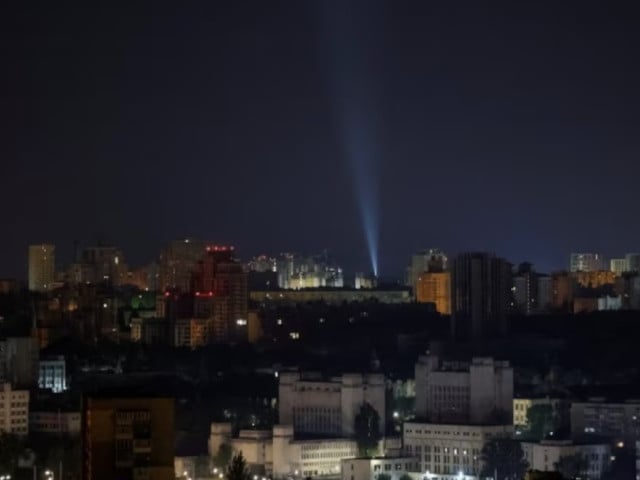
(351, 29)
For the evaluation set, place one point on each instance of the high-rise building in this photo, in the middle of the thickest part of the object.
(178, 262)
(481, 292)
(99, 265)
(561, 291)
(525, 289)
(618, 265)
(594, 278)
(220, 288)
(545, 289)
(454, 392)
(14, 410)
(632, 262)
(19, 361)
(435, 287)
(128, 437)
(53, 374)
(42, 268)
(432, 260)
(586, 262)
(316, 405)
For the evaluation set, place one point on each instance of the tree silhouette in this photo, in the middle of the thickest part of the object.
(503, 459)
(237, 470)
(223, 456)
(367, 430)
(540, 421)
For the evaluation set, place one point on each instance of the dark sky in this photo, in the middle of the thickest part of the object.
(513, 128)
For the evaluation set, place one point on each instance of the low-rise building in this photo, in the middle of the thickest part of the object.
(522, 405)
(64, 423)
(445, 451)
(276, 452)
(617, 422)
(14, 410)
(371, 468)
(546, 455)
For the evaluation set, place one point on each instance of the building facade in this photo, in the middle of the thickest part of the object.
(544, 456)
(42, 267)
(55, 422)
(586, 262)
(476, 392)
(53, 374)
(19, 361)
(276, 452)
(447, 451)
(14, 410)
(128, 437)
(371, 468)
(435, 287)
(481, 296)
(432, 260)
(317, 405)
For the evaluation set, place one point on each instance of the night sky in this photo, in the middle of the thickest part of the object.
(293, 126)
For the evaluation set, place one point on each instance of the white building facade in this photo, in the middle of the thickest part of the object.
(446, 452)
(276, 452)
(476, 392)
(316, 405)
(372, 468)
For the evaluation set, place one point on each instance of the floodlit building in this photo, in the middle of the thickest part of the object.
(475, 392)
(586, 262)
(276, 452)
(521, 408)
(431, 260)
(444, 451)
(53, 374)
(435, 287)
(371, 468)
(14, 410)
(317, 405)
(544, 456)
(618, 266)
(42, 268)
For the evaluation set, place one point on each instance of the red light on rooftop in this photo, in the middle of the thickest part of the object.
(166, 294)
(211, 294)
(197, 294)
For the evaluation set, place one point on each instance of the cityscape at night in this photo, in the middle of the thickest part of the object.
(320, 240)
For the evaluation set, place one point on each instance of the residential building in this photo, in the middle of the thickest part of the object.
(455, 392)
(99, 265)
(561, 291)
(444, 451)
(525, 289)
(544, 456)
(317, 405)
(128, 437)
(545, 295)
(586, 262)
(618, 266)
(435, 287)
(42, 267)
(14, 410)
(19, 361)
(190, 332)
(632, 262)
(432, 260)
(481, 293)
(53, 374)
(522, 405)
(278, 453)
(178, 262)
(370, 468)
(594, 278)
(55, 422)
(220, 281)
(149, 331)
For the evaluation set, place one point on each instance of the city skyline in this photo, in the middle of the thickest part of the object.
(491, 128)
